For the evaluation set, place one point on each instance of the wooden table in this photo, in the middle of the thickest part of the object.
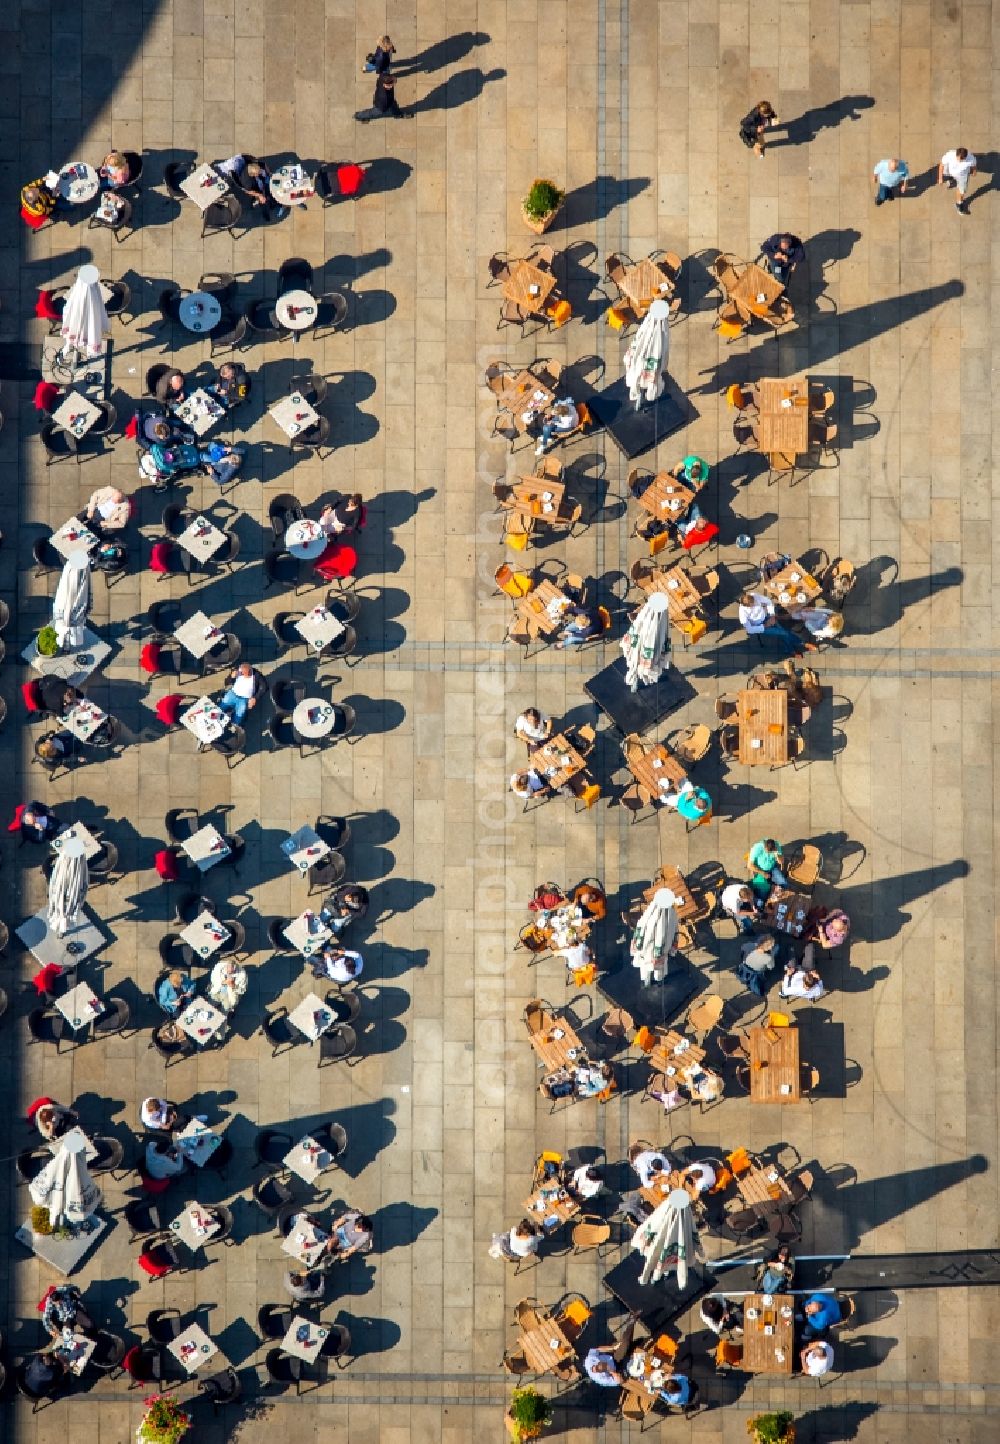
(662, 1185)
(524, 394)
(643, 283)
(762, 717)
(566, 925)
(751, 283)
(774, 1065)
(786, 912)
(675, 584)
(534, 611)
(783, 428)
(673, 878)
(769, 1353)
(517, 287)
(554, 1052)
(528, 499)
(793, 587)
(764, 1188)
(551, 1209)
(657, 766)
(559, 755)
(666, 497)
(545, 1345)
(681, 1066)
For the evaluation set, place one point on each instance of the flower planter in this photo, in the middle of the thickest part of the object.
(540, 222)
(534, 1431)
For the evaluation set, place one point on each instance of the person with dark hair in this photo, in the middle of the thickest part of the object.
(55, 746)
(64, 1310)
(347, 905)
(37, 823)
(305, 1288)
(755, 123)
(776, 1271)
(53, 1120)
(582, 625)
(339, 964)
(783, 252)
(584, 1182)
(384, 102)
(719, 1315)
(342, 517)
(163, 1160)
(353, 1232)
(254, 178)
(232, 384)
(821, 1312)
(524, 1239)
(957, 167)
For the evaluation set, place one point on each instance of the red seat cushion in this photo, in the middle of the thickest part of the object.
(349, 178)
(168, 709)
(165, 863)
(699, 535)
(31, 695)
(149, 1265)
(15, 826)
(159, 560)
(46, 396)
(45, 308)
(154, 1185)
(35, 223)
(44, 981)
(149, 658)
(34, 1107)
(338, 561)
(132, 429)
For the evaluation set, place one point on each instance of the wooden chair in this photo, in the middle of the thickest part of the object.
(617, 1024)
(585, 737)
(621, 316)
(573, 1318)
(526, 1313)
(821, 434)
(728, 322)
(635, 1401)
(820, 400)
(635, 799)
(848, 1312)
(778, 315)
(515, 1362)
(809, 1081)
(511, 314)
(585, 791)
(705, 583)
(640, 572)
(796, 747)
(805, 869)
(548, 373)
(550, 468)
(691, 745)
(726, 707)
(615, 267)
(542, 257)
(512, 583)
(669, 263)
(532, 940)
(728, 1355)
(724, 270)
(517, 530)
(729, 742)
(590, 1232)
(779, 464)
(500, 267)
(497, 373)
(534, 1015)
(705, 1015)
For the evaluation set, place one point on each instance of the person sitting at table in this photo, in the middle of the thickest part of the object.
(770, 565)
(822, 623)
(339, 964)
(524, 1239)
(775, 1272)
(758, 619)
(701, 1174)
(160, 429)
(584, 1183)
(801, 979)
(347, 905)
(64, 1310)
(575, 955)
(527, 783)
(240, 697)
(227, 984)
(36, 822)
(692, 803)
(757, 957)
(342, 517)
(107, 510)
(253, 177)
(159, 1114)
(174, 992)
(582, 626)
(351, 1233)
(38, 201)
(737, 902)
(817, 1359)
(163, 1160)
(676, 1392)
(830, 929)
(719, 1315)
(45, 1372)
(55, 746)
(53, 1120)
(559, 419)
(533, 728)
(221, 460)
(820, 1312)
(113, 171)
(648, 1162)
(305, 1288)
(171, 389)
(591, 1079)
(783, 252)
(765, 861)
(692, 470)
(591, 900)
(600, 1368)
(57, 696)
(231, 386)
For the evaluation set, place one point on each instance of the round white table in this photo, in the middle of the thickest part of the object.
(313, 717)
(289, 186)
(200, 311)
(305, 539)
(296, 310)
(78, 182)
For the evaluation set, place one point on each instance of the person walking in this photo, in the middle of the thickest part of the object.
(890, 176)
(753, 126)
(384, 102)
(957, 167)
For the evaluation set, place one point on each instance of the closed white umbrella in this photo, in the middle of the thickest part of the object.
(667, 1240)
(646, 644)
(85, 319)
(72, 601)
(655, 936)
(65, 1186)
(647, 355)
(67, 891)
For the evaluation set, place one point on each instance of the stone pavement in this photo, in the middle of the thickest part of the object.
(634, 108)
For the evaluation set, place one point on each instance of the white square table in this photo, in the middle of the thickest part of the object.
(206, 847)
(304, 1339)
(73, 536)
(73, 667)
(76, 1352)
(304, 848)
(319, 627)
(76, 840)
(201, 1020)
(83, 719)
(205, 935)
(204, 186)
(199, 634)
(63, 1254)
(304, 1242)
(294, 414)
(80, 1006)
(206, 721)
(80, 941)
(200, 410)
(201, 538)
(194, 1226)
(197, 1142)
(192, 1348)
(307, 933)
(305, 1162)
(312, 1017)
(76, 414)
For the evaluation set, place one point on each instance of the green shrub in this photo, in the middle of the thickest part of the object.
(543, 198)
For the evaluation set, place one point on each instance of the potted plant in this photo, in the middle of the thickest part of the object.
(777, 1428)
(528, 1415)
(47, 642)
(164, 1421)
(40, 1222)
(541, 205)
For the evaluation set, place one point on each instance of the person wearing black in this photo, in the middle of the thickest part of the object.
(171, 388)
(254, 178)
(344, 516)
(347, 905)
(753, 126)
(381, 57)
(784, 252)
(232, 384)
(38, 823)
(384, 100)
(57, 697)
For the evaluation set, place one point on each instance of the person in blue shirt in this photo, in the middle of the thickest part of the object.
(253, 176)
(890, 176)
(174, 992)
(677, 1391)
(775, 1273)
(600, 1368)
(822, 1311)
(582, 626)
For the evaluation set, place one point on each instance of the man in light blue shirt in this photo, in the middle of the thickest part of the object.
(890, 176)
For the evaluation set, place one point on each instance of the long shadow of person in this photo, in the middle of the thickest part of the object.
(442, 53)
(874, 607)
(807, 126)
(988, 166)
(458, 89)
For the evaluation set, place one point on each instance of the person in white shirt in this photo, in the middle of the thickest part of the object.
(585, 1183)
(340, 964)
(737, 903)
(241, 694)
(817, 1359)
(801, 979)
(524, 1239)
(227, 984)
(757, 619)
(108, 508)
(577, 955)
(702, 1175)
(533, 728)
(648, 1162)
(527, 783)
(158, 1113)
(563, 417)
(958, 166)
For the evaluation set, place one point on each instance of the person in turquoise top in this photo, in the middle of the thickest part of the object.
(765, 861)
(692, 469)
(692, 803)
(890, 176)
